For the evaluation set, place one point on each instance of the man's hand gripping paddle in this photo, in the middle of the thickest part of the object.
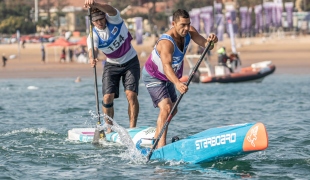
(177, 102)
(98, 134)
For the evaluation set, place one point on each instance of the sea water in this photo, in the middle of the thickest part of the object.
(36, 115)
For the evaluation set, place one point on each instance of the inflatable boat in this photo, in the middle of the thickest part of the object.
(230, 73)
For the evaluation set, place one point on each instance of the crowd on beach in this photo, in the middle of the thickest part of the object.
(77, 54)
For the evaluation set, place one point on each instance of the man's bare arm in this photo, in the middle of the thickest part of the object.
(101, 5)
(200, 40)
(165, 48)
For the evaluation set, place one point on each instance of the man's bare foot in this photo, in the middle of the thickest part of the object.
(109, 130)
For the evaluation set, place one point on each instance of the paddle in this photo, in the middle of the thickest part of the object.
(98, 134)
(177, 102)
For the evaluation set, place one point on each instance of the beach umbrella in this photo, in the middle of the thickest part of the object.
(62, 43)
(82, 41)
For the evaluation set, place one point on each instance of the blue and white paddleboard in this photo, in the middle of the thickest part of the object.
(86, 135)
(211, 144)
(216, 143)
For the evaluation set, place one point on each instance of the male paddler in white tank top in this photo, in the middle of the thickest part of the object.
(111, 36)
(164, 67)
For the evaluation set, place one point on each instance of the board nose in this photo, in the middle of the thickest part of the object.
(256, 138)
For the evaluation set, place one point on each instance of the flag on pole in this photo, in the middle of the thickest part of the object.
(258, 18)
(232, 15)
(274, 14)
(268, 14)
(249, 21)
(243, 15)
(206, 16)
(207, 23)
(289, 13)
(18, 42)
(220, 26)
(278, 9)
(217, 8)
(195, 18)
(232, 35)
(139, 30)
(219, 20)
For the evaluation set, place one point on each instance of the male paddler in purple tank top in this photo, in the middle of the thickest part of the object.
(111, 36)
(164, 67)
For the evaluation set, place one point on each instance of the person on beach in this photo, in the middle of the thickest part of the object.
(63, 55)
(70, 54)
(42, 53)
(111, 36)
(164, 67)
(23, 44)
(4, 59)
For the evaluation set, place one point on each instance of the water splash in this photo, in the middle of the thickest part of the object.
(131, 152)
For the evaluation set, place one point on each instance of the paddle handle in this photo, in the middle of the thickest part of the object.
(177, 102)
(94, 57)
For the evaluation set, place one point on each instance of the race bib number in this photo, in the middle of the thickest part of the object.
(116, 43)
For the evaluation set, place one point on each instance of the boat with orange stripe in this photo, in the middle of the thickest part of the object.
(230, 73)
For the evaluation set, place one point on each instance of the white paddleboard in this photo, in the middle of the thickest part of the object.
(86, 135)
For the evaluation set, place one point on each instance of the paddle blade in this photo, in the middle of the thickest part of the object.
(96, 137)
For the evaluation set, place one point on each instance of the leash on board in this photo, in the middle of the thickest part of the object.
(177, 102)
(98, 134)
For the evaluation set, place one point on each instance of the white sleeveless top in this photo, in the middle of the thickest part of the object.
(114, 41)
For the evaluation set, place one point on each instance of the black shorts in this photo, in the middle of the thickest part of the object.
(112, 74)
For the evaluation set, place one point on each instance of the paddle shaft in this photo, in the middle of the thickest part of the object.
(94, 57)
(177, 103)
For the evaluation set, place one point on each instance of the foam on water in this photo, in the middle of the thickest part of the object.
(131, 153)
(32, 88)
(29, 130)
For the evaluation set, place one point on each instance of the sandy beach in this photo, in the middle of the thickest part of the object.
(291, 55)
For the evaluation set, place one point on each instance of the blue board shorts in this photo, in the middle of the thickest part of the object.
(129, 72)
(158, 89)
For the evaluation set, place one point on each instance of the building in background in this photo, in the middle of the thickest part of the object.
(66, 15)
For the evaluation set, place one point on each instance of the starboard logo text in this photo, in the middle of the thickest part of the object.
(149, 131)
(215, 141)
